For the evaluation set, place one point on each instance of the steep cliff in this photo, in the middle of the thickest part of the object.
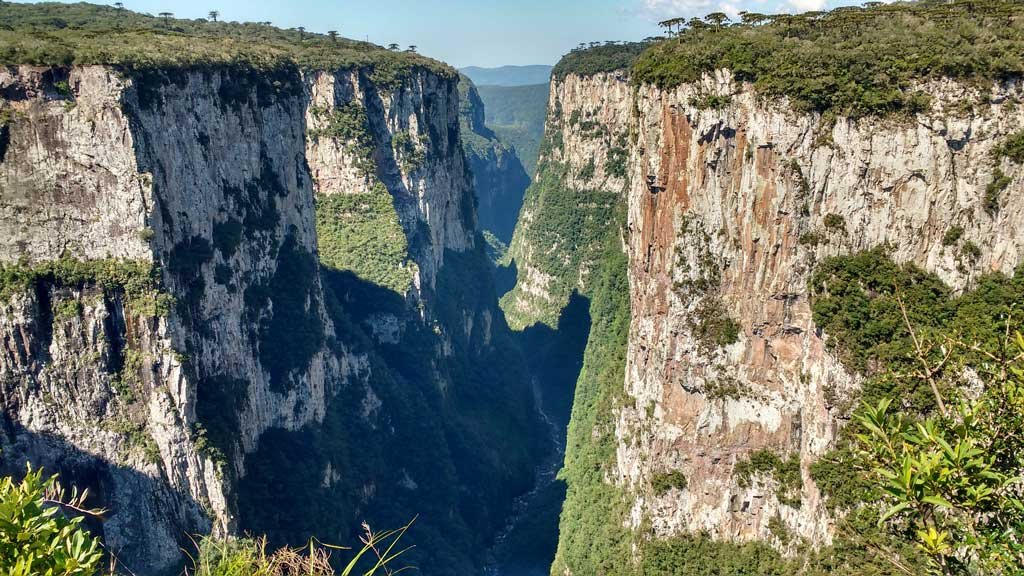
(709, 392)
(236, 297)
(498, 175)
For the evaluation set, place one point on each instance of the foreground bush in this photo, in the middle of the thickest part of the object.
(36, 538)
(41, 534)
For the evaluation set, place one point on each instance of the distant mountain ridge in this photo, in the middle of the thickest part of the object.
(509, 75)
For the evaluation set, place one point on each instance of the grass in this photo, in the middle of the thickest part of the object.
(66, 34)
(250, 557)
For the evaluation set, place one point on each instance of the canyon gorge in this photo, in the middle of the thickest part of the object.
(288, 292)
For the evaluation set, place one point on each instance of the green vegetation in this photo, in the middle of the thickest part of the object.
(598, 59)
(767, 463)
(951, 481)
(699, 555)
(411, 153)
(711, 101)
(348, 125)
(565, 236)
(37, 536)
(857, 300)
(1011, 148)
(64, 34)
(662, 482)
(361, 233)
(856, 61)
(137, 281)
(517, 114)
(952, 235)
(920, 446)
(835, 223)
(592, 537)
(994, 190)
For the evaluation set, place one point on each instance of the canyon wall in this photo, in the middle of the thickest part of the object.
(731, 200)
(204, 265)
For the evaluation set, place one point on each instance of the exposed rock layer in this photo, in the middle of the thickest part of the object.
(211, 175)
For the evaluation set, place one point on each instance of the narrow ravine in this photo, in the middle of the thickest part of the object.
(529, 506)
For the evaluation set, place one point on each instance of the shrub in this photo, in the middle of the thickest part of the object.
(767, 463)
(662, 482)
(835, 223)
(36, 537)
(1012, 148)
(950, 481)
(952, 235)
(995, 188)
(971, 251)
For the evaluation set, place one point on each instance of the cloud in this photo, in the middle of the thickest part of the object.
(656, 10)
(807, 5)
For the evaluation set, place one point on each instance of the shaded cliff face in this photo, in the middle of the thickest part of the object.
(498, 175)
(193, 305)
(716, 358)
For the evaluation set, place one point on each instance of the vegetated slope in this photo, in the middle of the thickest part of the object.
(62, 34)
(851, 60)
(516, 114)
(508, 75)
(498, 175)
(234, 311)
(719, 444)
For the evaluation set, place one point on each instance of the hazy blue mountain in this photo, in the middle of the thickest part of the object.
(508, 75)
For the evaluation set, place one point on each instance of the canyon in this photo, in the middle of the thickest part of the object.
(288, 298)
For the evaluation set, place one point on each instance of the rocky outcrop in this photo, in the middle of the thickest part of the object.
(745, 200)
(159, 388)
(729, 209)
(581, 178)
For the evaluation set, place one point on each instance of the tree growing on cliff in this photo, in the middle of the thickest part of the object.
(213, 15)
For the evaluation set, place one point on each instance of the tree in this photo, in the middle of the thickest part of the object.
(412, 48)
(333, 35)
(717, 19)
(393, 46)
(119, 5)
(213, 15)
(167, 17)
(951, 480)
(302, 32)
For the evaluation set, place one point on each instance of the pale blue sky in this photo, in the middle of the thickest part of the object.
(475, 32)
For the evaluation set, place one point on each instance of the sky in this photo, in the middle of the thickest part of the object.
(476, 32)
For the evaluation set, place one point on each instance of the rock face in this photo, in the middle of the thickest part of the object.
(566, 213)
(161, 399)
(729, 210)
(498, 176)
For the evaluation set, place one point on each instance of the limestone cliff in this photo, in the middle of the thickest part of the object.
(205, 264)
(729, 208)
